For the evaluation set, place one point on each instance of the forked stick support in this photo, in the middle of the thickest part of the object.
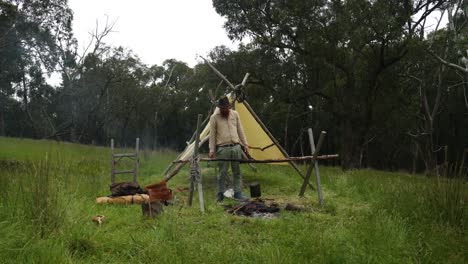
(314, 164)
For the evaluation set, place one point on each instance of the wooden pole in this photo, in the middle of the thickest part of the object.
(305, 158)
(313, 163)
(250, 165)
(191, 190)
(192, 139)
(189, 142)
(317, 171)
(137, 162)
(196, 163)
(112, 162)
(193, 167)
(220, 75)
(238, 87)
(244, 81)
(171, 165)
(176, 170)
(182, 162)
(275, 141)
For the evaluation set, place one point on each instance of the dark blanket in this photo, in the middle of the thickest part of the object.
(126, 188)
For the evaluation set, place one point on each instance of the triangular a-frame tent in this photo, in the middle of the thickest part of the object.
(264, 148)
(263, 145)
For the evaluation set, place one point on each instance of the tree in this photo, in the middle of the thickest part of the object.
(29, 31)
(358, 41)
(71, 65)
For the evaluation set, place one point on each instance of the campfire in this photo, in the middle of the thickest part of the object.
(255, 208)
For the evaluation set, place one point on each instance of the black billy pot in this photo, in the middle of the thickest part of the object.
(255, 190)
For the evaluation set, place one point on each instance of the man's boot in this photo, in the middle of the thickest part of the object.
(220, 197)
(239, 196)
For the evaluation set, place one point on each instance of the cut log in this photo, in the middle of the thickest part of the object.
(128, 199)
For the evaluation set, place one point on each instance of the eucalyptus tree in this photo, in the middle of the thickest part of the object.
(359, 41)
(29, 32)
(9, 59)
(440, 81)
(71, 66)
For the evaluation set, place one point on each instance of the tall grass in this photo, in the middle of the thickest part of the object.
(448, 196)
(47, 202)
(32, 192)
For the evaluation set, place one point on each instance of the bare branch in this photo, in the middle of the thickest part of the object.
(428, 11)
(455, 85)
(170, 76)
(449, 64)
(439, 20)
(439, 92)
(412, 77)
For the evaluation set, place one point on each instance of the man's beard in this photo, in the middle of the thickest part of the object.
(225, 113)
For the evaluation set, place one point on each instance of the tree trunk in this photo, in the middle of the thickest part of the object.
(26, 107)
(350, 154)
(428, 155)
(415, 158)
(2, 123)
(285, 142)
(73, 133)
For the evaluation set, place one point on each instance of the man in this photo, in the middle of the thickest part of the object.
(226, 135)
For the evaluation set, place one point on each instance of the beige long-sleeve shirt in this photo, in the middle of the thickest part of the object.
(226, 131)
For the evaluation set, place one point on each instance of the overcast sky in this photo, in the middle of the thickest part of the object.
(155, 30)
(159, 29)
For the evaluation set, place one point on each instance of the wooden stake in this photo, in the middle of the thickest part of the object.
(191, 188)
(137, 162)
(317, 171)
(112, 162)
(195, 160)
(313, 163)
(194, 163)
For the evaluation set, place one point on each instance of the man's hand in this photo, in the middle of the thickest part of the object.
(246, 149)
(211, 155)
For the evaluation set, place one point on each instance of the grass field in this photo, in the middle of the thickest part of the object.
(47, 200)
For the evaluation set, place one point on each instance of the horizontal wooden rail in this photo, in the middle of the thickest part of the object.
(124, 172)
(122, 155)
(321, 157)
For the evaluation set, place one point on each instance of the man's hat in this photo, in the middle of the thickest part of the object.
(223, 102)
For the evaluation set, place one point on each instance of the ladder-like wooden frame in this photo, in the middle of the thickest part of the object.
(115, 157)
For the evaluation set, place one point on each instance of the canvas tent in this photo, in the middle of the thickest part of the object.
(264, 148)
(263, 145)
